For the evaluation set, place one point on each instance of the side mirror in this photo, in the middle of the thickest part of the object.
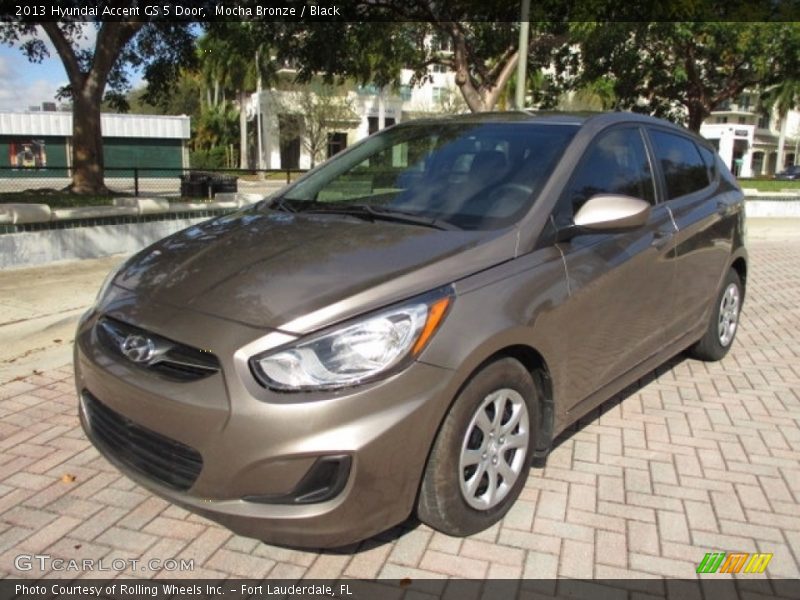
(612, 212)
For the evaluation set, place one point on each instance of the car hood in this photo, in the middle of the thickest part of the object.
(268, 268)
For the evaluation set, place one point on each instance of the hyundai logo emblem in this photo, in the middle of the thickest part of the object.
(138, 348)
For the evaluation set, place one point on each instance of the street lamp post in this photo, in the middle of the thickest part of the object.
(258, 114)
(522, 60)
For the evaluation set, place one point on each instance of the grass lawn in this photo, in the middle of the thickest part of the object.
(770, 185)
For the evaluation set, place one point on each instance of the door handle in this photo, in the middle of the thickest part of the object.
(661, 239)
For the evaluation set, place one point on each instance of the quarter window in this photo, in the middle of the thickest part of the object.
(680, 160)
(710, 158)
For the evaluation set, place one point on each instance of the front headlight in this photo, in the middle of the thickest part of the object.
(356, 352)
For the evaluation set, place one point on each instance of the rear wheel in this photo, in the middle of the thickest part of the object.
(724, 322)
(481, 458)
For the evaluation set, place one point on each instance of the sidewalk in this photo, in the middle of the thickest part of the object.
(39, 310)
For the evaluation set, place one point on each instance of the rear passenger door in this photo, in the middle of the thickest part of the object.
(704, 220)
(622, 283)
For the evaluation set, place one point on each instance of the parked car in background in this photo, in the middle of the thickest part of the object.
(792, 172)
(406, 327)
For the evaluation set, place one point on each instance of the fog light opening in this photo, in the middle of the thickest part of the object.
(324, 480)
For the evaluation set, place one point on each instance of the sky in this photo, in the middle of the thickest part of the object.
(24, 84)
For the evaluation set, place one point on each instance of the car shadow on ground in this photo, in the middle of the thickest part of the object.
(615, 400)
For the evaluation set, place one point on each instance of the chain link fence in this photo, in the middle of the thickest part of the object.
(29, 183)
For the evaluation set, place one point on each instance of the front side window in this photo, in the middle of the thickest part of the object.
(615, 163)
(470, 175)
(680, 160)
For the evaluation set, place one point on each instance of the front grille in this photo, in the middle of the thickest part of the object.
(171, 359)
(169, 462)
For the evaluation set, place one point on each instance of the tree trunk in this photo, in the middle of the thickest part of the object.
(697, 115)
(87, 145)
(244, 155)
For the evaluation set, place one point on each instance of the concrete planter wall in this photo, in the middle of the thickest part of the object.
(33, 234)
(31, 248)
(772, 208)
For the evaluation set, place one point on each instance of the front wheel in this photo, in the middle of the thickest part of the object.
(481, 458)
(724, 322)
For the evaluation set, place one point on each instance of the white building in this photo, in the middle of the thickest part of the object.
(372, 109)
(747, 139)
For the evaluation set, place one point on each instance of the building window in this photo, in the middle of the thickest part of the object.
(742, 120)
(763, 122)
(757, 164)
(437, 68)
(405, 93)
(439, 44)
(722, 119)
(439, 94)
(744, 102)
(372, 124)
(290, 128)
(337, 141)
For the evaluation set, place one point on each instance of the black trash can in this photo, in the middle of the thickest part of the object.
(224, 184)
(195, 184)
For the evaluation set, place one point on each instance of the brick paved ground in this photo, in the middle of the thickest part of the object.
(699, 457)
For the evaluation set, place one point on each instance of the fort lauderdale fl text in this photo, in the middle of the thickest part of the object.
(177, 10)
(168, 590)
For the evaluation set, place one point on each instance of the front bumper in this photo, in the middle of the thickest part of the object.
(263, 445)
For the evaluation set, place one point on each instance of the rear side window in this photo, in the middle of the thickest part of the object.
(683, 167)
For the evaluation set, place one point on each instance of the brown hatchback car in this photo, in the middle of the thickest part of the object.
(406, 327)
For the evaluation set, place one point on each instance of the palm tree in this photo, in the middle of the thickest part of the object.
(229, 63)
(782, 98)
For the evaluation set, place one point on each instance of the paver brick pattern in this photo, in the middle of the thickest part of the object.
(697, 457)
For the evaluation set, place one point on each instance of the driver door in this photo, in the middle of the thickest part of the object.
(620, 283)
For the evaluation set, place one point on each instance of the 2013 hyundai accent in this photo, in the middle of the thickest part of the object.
(406, 327)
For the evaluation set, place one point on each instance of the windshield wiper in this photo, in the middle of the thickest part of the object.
(372, 213)
(281, 203)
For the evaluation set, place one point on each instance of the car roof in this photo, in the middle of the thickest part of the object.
(579, 119)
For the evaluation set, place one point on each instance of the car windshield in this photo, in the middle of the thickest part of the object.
(460, 175)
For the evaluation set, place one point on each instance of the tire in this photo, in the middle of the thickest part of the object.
(724, 322)
(472, 450)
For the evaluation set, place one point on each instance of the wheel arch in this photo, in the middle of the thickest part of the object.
(535, 363)
(740, 266)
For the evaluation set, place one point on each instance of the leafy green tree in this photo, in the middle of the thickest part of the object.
(682, 70)
(159, 49)
(481, 47)
(213, 136)
(233, 58)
